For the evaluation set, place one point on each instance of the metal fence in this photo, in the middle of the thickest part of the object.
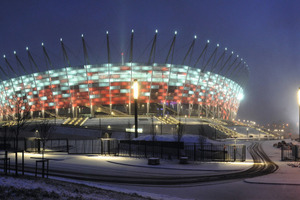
(140, 149)
(145, 149)
(289, 153)
(211, 152)
(12, 144)
(173, 150)
(36, 145)
(100, 146)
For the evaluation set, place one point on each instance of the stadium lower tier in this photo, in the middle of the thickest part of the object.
(97, 89)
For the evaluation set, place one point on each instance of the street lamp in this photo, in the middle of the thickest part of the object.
(235, 136)
(299, 110)
(247, 133)
(36, 133)
(135, 96)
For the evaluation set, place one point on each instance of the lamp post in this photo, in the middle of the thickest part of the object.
(235, 136)
(135, 96)
(247, 133)
(299, 110)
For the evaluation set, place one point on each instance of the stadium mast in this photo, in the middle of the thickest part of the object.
(47, 59)
(190, 51)
(10, 67)
(20, 63)
(66, 58)
(108, 47)
(172, 48)
(85, 54)
(153, 49)
(211, 56)
(65, 55)
(151, 56)
(202, 52)
(130, 61)
(131, 46)
(31, 60)
(108, 69)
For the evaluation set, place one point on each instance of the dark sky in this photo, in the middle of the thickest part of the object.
(265, 33)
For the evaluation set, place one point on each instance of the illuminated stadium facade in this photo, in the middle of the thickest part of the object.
(164, 89)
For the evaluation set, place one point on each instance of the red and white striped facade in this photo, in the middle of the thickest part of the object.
(183, 89)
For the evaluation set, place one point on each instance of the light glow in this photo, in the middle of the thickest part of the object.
(240, 96)
(135, 89)
(299, 96)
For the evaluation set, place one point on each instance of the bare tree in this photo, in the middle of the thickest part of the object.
(20, 115)
(20, 118)
(5, 137)
(45, 129)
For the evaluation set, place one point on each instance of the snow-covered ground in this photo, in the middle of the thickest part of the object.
(283, 184)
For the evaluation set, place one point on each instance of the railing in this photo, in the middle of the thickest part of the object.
(289, 153)
(174, 150)
(139, 149)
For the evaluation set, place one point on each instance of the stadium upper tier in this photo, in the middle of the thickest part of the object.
(93, 89)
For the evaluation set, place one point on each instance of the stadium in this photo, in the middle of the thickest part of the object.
(211, 87)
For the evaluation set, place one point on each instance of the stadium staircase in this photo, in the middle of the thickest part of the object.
(106, 110)
(49, 113)
(261, 130)
(227, 131)
(75, 121)
(167, 120)
(159, 105)
(10, 123)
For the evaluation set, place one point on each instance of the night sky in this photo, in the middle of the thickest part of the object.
(265, 33)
